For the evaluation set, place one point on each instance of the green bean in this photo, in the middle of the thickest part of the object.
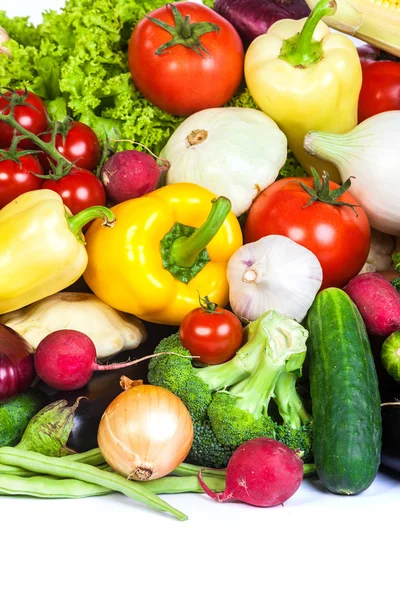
(181, 485)
(187, 469)
(7, 470)
(40, 486)
(91, 457)
(65, 468)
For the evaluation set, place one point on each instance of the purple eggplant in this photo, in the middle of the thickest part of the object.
(16, 364)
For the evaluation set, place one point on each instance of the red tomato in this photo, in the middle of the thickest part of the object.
(78, 190)
(80, 145)
(16, 179)
(180, 80)
(335, 234)
(33, 118)
(380, 90)
(214, 336)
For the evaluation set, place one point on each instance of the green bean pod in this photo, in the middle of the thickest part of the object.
(65, 468)
(40, 486)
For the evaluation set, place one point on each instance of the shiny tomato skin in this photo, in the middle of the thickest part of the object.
(78, 190)
(213, 337)
(180, 81)
(17, 179)
(338, 238)
(80, 145)
(380, 90)
(33, 119)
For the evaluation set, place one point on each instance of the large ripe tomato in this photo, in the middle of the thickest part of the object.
(33, 118)
(18, 178)
(180, 79)
(213, 334)
(78, 190)
(79, 145)
(337, 235)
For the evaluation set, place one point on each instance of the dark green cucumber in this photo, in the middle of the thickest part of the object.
(16, 413)
(345, 395)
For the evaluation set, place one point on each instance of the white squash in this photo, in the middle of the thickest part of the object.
(233, 152)
(110, 330)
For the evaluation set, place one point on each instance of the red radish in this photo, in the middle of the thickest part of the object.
(378, 302)
(131, 174)
(66, 360)
(261, 472)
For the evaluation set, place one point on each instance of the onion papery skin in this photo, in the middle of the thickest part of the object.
(16, 364)
(145, 433)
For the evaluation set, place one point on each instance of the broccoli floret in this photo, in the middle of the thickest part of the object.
(230, 403)
(206, 450)
(175, 373)
(297, 439)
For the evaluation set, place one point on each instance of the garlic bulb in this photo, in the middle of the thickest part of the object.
(4, 38)
(273, 273)
(233, 152)
(110, 330)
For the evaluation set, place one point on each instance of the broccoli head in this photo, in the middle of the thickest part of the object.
(234, 402)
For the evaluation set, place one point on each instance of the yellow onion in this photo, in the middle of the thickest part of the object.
(145, 433)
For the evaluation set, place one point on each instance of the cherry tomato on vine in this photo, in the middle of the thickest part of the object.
(189, 60)
(18, 178)
(213, 334)
(337, 234)
(78, 190)
(79, 144)
(33, 118)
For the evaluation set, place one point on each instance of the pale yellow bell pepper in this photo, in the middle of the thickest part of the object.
(42, 249)
(304, 77)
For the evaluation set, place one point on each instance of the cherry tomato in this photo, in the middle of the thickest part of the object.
(78, 190)
(16, 179)
(79, 145)
(179, 79)
(337, 235)
(380, 90)
(33, 118)
(213, 334)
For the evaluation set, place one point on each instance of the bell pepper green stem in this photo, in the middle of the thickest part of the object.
(301, 50)
(185, 250)
(78, 221)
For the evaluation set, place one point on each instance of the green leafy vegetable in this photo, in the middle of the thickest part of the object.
(76, 60)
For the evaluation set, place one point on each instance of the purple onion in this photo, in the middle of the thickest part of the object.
(16, 364)
(252, 18)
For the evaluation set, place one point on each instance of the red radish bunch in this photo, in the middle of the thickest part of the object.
(262, 472)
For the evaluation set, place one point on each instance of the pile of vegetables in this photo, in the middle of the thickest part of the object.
(232, 221)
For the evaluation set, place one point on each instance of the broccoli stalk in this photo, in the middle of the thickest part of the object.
(290, 405)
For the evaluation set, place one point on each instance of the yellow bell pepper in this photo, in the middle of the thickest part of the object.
(42, 249)
(304, 77)
(165, 249)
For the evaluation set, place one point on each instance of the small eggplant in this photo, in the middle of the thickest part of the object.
(16, 364)
(101, 391)
(390, 411)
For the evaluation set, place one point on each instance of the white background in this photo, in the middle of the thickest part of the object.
(317, 546)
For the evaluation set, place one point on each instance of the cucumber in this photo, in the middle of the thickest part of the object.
(347, 427)
(16, 413)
